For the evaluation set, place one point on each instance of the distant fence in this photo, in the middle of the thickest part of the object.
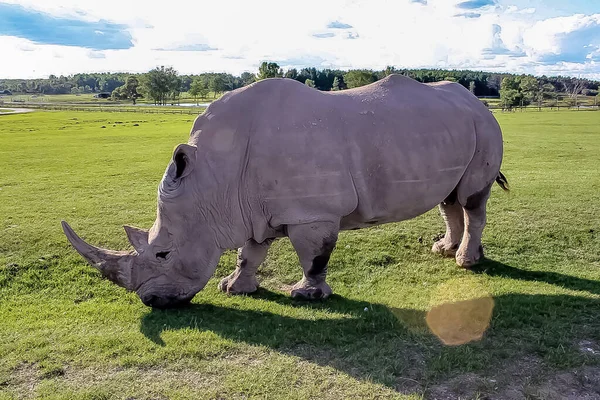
(138, 109)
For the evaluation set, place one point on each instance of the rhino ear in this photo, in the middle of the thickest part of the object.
(137, 237)
(184, 159)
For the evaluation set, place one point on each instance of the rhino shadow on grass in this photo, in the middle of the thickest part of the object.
(394, 347)
(494, 268)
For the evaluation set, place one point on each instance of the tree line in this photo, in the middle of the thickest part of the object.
(525, 90)
(164, 85)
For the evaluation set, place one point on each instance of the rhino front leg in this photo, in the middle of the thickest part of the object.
(249, 258)
(313, 243)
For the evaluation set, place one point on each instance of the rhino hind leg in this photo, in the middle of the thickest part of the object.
(243, 279)
(314, 244)
(452, 213)
(470, 251)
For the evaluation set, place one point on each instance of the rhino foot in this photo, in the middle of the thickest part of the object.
(237, 283)
(444, 248)
(304, 290)
(465, 260)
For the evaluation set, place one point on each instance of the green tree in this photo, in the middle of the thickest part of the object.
(175, 84)
(109, 82)
(336, 84)
(509, 93)
(130, 89)
(472, 87)
(357, 78)
(186, 82)
(161, 82)
(269, 70)
(324, 79)
(309, 83)
(247, 78)
(547, 92)
(389, 70)
(217, 85)
(307, 73)
(199, 88)
(119, 93)
(529, 88)
(291, 73)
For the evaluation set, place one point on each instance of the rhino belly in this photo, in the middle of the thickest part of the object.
(399, 181)
(401, 200)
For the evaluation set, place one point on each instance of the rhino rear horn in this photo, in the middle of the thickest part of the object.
(137, 237)
(114, 265)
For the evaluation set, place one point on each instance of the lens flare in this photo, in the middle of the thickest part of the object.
(460, 311)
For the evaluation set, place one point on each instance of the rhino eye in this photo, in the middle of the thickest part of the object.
(162, 254)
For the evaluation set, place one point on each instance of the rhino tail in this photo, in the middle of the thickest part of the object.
(502, 181)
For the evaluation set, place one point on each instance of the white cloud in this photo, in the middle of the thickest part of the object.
(517, 10)
(550, 37)
(239, 35)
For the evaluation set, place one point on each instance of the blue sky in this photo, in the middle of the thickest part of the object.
(43, 28)
(555, 8)
(43, 37)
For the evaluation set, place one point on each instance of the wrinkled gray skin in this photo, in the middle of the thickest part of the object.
(278, 158)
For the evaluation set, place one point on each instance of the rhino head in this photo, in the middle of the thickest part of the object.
(175, 259)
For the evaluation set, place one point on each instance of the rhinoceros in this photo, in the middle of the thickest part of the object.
(280, 159)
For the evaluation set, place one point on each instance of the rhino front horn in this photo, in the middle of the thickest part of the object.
(114, 265)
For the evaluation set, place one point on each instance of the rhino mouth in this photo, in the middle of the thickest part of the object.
(157, 293)
(165, 302)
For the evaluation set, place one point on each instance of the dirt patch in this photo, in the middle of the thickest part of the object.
(523, 379)
(582, 384)
(23, 379)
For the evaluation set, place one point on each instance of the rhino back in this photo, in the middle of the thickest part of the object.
(296, 162)
(385, 152)
(410, 144)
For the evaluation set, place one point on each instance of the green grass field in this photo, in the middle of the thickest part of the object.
(67, 334)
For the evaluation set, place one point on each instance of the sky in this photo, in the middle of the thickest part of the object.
(551, 37)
